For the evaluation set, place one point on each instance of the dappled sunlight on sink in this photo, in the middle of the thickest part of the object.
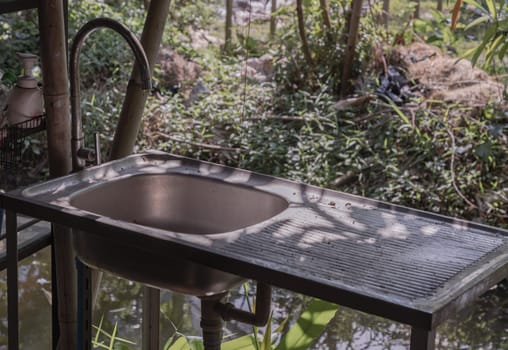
(185, 206)
(180, 203)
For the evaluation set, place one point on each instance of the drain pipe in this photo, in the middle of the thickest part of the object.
(214, 312)
(259, 318)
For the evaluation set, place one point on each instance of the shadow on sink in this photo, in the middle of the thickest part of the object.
(180, 203)
(175, 202)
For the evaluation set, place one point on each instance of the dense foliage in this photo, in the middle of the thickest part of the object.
(433, 155)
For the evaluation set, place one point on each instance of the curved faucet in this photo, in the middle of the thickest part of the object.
(79, 153)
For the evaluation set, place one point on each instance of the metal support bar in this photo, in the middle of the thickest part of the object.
(151, 310)
(55, 322)
(17, 5)
(27, 248)
(23, 226)
(422, 339)
(84, 306)
(12, 280)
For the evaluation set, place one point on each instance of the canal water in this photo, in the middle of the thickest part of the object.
(484, 325)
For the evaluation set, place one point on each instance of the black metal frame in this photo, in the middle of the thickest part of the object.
(12, 139)
(7, 6)
(9, 260)
(14, 253)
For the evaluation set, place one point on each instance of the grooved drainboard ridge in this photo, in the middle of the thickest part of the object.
(401, 255)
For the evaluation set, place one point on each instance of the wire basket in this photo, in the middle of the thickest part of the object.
(12, 140)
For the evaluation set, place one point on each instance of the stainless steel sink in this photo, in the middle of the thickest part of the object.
(180, 203)
(177, 203)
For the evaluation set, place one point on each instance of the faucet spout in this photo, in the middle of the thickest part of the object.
(145, 82)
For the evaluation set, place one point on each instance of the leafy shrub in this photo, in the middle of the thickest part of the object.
(327, 46)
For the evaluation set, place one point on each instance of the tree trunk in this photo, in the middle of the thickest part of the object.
(325, 12)
(440, 5)
(229, 26)
(273, 19)
(301, 29)
(386, 12)
(417, 9)
(135, 98)
(349, 54)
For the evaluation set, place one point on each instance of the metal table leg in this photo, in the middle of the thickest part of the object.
(12, 280)
(55, 323)
(151, 312)
(422, 339)
(84, 306)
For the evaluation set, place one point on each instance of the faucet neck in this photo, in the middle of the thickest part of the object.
(79, 39)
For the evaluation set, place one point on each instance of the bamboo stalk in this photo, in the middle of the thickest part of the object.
(55, 82)
(52, 30)
(135, 98)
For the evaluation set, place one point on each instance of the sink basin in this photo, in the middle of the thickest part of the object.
(177, 203)
(180, 203)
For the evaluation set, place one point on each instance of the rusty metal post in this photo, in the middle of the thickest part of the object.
(56, 99)
(135, 98)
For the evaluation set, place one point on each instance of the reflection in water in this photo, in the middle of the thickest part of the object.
(484, 325)
(34, 305)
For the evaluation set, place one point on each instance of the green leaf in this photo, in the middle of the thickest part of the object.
(99, 330)
(502, 51)
(476, 22)
(247, 342)
(112, 340)
(468, 53)
(476, 5)
(280, 327)
(492, 8)
(484, 151)
(267, 339)
(309, 326)
(404, 117)
(196, 344)
(488, 36)
(493, 48)
(180, 344)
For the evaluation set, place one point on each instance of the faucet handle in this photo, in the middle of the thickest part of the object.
(91, 155)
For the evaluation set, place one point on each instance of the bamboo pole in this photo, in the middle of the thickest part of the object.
(56, 87)
(135, 98)
(52, 30)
